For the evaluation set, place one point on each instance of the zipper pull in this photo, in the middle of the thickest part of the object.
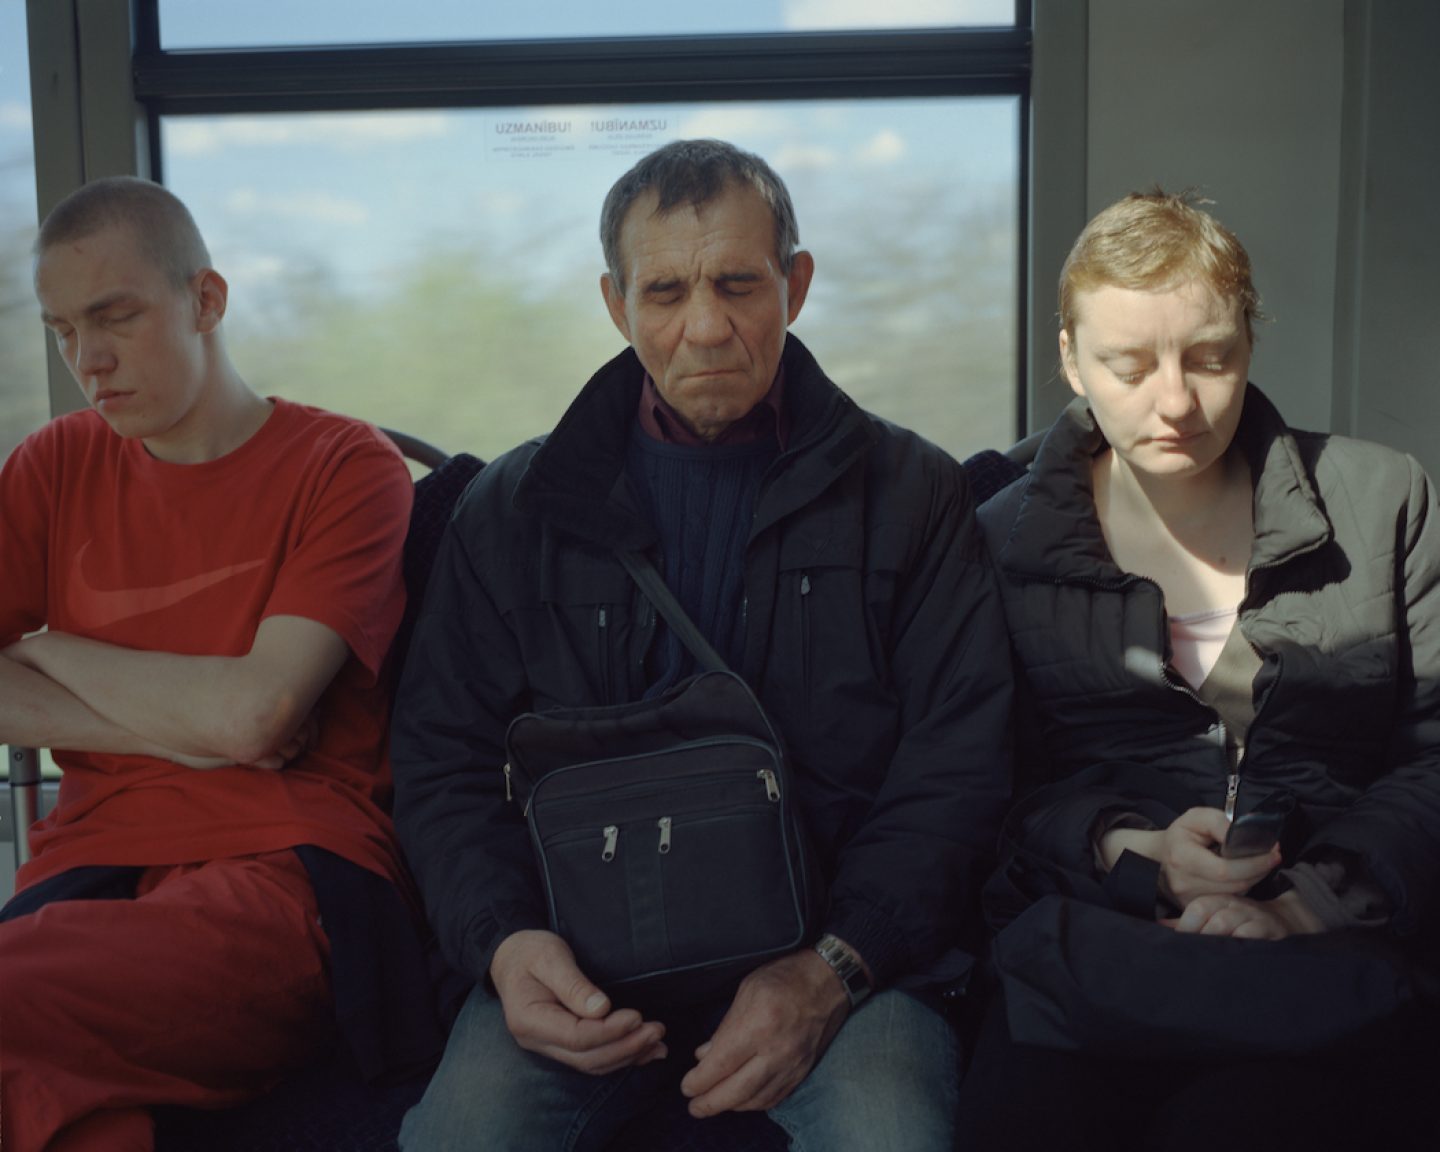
(612, 837)
(804, 584)
(509, 791)
(664, 823)
(1232, 790)
(772, 786)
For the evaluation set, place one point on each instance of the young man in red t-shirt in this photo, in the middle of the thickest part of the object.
(220, 577)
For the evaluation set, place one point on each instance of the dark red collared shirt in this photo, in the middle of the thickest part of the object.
(661, 422)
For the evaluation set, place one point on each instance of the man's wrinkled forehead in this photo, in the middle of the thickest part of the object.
(734, 227)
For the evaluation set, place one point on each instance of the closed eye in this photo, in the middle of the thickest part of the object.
(1211, 356)
(741, 285)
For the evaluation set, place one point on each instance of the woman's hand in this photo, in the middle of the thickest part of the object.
(1187, 852)
(1286, 915)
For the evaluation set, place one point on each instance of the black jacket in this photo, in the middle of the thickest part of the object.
(873, 638)
(1342, 604)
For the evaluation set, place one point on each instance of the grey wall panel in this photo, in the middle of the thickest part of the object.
(1394, 396)
(1242, 100)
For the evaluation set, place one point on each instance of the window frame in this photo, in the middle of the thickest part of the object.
(654, 70)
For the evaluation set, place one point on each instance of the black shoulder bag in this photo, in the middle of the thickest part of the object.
(666, 833)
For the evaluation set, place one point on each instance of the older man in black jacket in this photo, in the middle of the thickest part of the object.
(833, 560)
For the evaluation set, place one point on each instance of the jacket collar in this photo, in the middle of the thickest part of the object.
(577, 481)
(1056, 534)
(1289, 520)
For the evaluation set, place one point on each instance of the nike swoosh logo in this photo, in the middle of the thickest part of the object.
(92, 607)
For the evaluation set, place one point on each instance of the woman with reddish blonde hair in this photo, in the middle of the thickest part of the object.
(1213, 616)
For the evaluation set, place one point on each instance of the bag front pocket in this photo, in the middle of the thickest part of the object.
(649, 877)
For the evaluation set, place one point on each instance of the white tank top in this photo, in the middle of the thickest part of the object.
(1196, 640)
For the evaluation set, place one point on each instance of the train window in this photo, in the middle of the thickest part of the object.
(23, 396)
(437, 270)
(266, 23)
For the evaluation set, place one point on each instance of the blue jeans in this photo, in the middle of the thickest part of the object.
(887, 1083)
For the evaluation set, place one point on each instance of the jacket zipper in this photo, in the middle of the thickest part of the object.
(1232, 783)
(1274, 680)
(805, 641)
(602, 638)
(1232, 773)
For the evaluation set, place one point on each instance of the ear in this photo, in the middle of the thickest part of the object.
(1067, 363)
(797, 283)
(212, 295)
(615, 304)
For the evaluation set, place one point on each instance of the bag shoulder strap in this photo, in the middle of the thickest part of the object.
(639, 566)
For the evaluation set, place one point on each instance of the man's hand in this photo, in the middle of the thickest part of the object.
(782, 1019)
(305, 738)
(552, 1009)
(1190, 865)
(1286, 915)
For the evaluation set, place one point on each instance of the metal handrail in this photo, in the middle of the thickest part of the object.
(24, 797)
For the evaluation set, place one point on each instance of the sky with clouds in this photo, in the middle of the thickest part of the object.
(17, 173)
(359, 191)
(205, 23)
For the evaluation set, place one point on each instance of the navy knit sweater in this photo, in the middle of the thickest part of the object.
(701, 501)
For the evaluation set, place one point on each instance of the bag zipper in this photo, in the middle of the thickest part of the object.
(767, 777)
(707, 742)
(610, 834)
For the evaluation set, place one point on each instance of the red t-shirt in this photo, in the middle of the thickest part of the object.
(307, 518)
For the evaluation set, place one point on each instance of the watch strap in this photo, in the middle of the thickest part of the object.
(846, 965)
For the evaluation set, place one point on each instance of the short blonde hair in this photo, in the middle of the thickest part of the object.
(162, 226)
(1149, 241)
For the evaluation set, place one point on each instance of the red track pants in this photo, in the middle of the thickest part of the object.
(199, 992)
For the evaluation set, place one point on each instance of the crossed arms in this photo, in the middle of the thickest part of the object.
(63, 691)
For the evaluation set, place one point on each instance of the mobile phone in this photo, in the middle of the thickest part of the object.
(1258, 830)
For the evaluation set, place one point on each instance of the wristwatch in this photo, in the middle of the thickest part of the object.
(846, 965)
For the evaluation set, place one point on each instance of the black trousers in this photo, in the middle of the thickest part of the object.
(1018, 1097)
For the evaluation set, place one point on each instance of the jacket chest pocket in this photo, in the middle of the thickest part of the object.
(819, 644)
(576, 631)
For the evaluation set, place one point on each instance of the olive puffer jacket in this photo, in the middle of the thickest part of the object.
(1342, 604)
(873, 638)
